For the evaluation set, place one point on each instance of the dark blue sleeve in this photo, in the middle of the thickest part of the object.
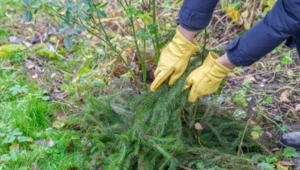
(294, 42)
(194, 15)
(296, 38)
(282, 22)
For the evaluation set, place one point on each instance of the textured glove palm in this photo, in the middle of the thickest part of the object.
(173, 61)
(207, 78)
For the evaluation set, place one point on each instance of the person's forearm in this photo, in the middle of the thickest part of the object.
(281, 22)
(225, 62)
(195, 15)
(189, 35)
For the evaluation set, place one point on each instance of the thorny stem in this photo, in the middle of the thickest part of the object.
(156, 41)
(144, 54)
(106, 40)
(100, 29)
(156, 50)
(145, 72)
(143, 63)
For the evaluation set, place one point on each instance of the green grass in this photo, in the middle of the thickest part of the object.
(9, 8)
(59, 156)
(25, 119)
(28, 114)
(4, 34)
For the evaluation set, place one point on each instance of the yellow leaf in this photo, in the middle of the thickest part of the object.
(58, 124)
(39, 46)
(271, 3)
(9, 49)
(245, 14)
(268, 5)
(266, 10)
(279, 166)
(47, 53)
(178, 2)
(233, 14)
(53, 39)
(83, 70)
(254, 135)
(247, 26)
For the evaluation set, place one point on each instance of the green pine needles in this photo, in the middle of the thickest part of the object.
(156, 131)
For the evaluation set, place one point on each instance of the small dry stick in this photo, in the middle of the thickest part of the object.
(246, 127)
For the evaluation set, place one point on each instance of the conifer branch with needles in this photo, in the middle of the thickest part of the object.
(149, 131)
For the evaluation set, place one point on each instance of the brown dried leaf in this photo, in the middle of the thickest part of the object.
(41, 142)
(253, 122)
(15, 40)
(237, 73)
(50, 143)
(58, 124)
(58, 96)
(34, 166)
(14, 147)
(287, 163)
(284, 96)
(297, 109)
(290, 72)
(249, 77)
(275, 149)
(198, 126)
(56, 90)
(269, 134)
(35, 76)
(61, 116)
(30, 66)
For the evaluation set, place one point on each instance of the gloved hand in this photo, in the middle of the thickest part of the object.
(207, 78)
(173, 60)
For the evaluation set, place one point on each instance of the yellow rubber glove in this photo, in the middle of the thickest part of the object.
(207, 78)
(173, 60)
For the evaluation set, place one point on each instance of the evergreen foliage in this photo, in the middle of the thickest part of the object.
(156, 131)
